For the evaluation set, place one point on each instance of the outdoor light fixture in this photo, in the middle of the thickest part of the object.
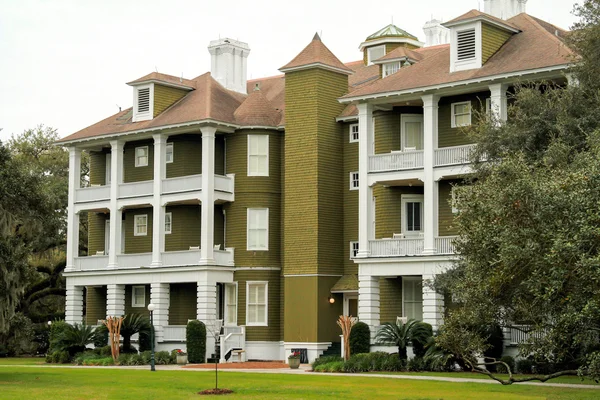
(151, 309)
(331, 299)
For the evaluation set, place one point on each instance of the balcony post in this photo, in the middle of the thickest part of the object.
(208, 196)
(115, 300)
(116, 177)
(368, 301)
(430, 189)
(365, 192)
(159, 296)
(72, 216)
(158, 211)
(498, 103)
(207, 311)
(74, 304)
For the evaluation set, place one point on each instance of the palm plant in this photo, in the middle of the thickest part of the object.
(132, 324)
(75, 338)
(402, 335)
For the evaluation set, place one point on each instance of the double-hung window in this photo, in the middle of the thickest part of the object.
(412, 215)
(138, 296)
(256, 303)
(353, 249)
(258, 155)
(140, 227)
(169, 155)
(354, 181)
(461, 114)
(390, 68)
(168, 223)
(231, 304)
(353, 133)
(141, 156)
(258, 229)
(412, 293)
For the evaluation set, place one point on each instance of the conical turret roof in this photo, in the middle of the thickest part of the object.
(316, 54)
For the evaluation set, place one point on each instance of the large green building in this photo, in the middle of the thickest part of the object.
(274, 205)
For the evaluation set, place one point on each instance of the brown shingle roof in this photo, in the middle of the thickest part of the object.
(169, 79)
(257, 110)
(315, 53)
(534, 47)
(401, 52)
(475, 14)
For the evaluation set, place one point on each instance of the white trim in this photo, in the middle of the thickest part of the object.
(370, 48)
(146, 115)
(301, 275)
(248, 247)
(225, 298)
(258, 137)
(352, 133)
(169, 217)
(411, 198)
(266, 285)
(169, 145)
(354, 180)
(453, 115)
(108, 167)
(471, 63)
(258, 268)
(410, 118)
(347, 297)
(412, 279)
(481, 18)
(350, 118)
(353, 252)
(107, 237)
(136, 225)
(384, 40)
(133, 302)
(161, 83)
(317, 65)
(135, 156)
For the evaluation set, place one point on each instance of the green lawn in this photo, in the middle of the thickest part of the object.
(86, 383)
(23, 361)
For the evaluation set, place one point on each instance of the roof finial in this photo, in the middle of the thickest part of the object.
(317, 37)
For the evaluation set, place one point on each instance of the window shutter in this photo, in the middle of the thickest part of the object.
(143, 100)
(465, 49)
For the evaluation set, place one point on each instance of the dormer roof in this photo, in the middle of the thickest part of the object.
(400, 54)
(475, 15)
(316, 55)
(164, 79)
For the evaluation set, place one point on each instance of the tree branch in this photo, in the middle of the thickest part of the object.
(475, 367)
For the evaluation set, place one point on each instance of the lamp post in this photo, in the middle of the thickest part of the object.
(151, 309)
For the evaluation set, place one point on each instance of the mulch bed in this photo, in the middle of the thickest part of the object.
(243, 365)
(215, 391)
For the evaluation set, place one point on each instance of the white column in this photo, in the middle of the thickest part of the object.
(74, 304)
(208, 196)
(433, 304)
(159, 296)
(72, 217)
(430, 141)
(207, 312)
(115, 300)
(116, 177)
(498, 103)
(365, 192)
(158, 211)
(368, 302)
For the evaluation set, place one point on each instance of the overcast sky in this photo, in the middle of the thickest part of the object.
(64, 63)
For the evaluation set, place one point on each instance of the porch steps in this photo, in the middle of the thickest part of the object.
(334, 350)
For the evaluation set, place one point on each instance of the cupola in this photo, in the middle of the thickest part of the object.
(504, 9)
(385, 40)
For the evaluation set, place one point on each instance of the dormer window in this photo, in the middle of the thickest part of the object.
(465, 44)
(390, 68)
(465, 47)
(143, 102)
(374, 53)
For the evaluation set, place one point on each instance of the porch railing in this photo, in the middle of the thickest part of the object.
(233, 337)
(453, 155)
(396, 247)
(445, 244)
(396, 161)
(521, 333)
(174, 333)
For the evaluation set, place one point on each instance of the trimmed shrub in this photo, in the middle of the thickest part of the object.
(101, 336)
(418, 343)
(360, 338)
(416, 364)
(64, 357)
(335, 366)
(195, 335)
(501, 369)
(393, 363)
(162, 358)
(123, 359)
(136, 359)
(525, 366)
(325, 360)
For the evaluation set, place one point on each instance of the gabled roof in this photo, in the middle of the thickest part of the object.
(257, 110)
(316, 54)
(531, 49)
(400, 53)
(477, 15)
(169, 80)
(390, 31)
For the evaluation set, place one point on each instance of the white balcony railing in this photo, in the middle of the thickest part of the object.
(453, 155)
(91, 263)
(182, 184)
(445, 244)
(135, 260)
(92, 193)
(174, 333)
(136, 189)
(396, 161)
(224, 183)
(408, 246)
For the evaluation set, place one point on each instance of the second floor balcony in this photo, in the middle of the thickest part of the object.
(407, 247)
(413, 159)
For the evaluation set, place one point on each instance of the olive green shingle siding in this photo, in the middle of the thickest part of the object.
(261, 333)
(446, 225)
(388, 208)
(187, 156)
(220, 155)
(492, 38)
(185, 227)
(165, 97)
(95, 304)
(350, 201)
(129, 309)
(130, 171)
(182, 303)
(97, 168)
(448, 136)
(387, 131)
(96, 232)
(390, 293)
(137, 244)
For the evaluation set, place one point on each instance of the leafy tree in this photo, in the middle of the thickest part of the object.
(403, 334)
(529, 225)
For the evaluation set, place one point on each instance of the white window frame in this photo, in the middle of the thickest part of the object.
(146, 115)
(413, 279)
(248, 246)
(354, 135)
(410, 118)
(168, 217)
(353, 250)
(136, 224)
(168, 147)
(135, 155)
(108, 169)
(453, 115)
(476, 62)
(390, 68)
(133, 302)
(369, 58)
(411, 198)
(266, 284)
(354, 180)
(260, 173)
(226, 305)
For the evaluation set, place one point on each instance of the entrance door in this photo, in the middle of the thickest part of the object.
(411, 132)
(351, 304)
